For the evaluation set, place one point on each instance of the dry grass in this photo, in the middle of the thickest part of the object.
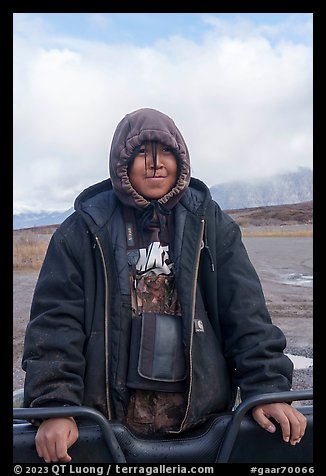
(29, 249)
(279, 232)
(292, 220)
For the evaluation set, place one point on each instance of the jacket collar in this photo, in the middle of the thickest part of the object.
(97, 203)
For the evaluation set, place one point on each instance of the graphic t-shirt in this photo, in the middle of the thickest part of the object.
(155, 259)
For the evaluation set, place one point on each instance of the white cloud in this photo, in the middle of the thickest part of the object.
(243, 104)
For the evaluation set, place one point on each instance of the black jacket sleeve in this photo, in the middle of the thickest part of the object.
(253, 345)
(53, 352)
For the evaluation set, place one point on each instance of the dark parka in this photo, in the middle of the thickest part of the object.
(77, 342)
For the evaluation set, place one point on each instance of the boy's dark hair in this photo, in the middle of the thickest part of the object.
(154, 156)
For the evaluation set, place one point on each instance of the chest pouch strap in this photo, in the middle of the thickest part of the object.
(157, 359)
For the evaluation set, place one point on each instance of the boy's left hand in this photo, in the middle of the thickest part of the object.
(293, 423)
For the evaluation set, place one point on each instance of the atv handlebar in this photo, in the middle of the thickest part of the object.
(74, 411)
(234, 426)
(113, 444)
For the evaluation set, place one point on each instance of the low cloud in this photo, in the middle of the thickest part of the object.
(242, 101)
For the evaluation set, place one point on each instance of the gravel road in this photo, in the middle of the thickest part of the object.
(285, 268)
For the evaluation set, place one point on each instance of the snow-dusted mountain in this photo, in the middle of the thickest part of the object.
(294, 187)
(30, 220)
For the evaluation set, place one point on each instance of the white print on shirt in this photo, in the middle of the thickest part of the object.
(154, 259)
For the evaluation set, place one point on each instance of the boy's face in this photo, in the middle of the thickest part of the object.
(141, 172)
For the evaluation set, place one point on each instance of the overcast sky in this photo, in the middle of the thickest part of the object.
(238, 86)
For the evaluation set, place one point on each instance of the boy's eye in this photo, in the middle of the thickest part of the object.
(141, 150)
(166, 149)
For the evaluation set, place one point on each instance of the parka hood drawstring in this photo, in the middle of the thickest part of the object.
(206, 247)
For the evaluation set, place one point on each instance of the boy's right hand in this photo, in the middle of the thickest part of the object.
(54, 437)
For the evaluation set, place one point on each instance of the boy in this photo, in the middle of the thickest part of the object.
(147, 307)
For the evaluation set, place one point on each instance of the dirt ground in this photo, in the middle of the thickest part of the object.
(23, 288)
(285, 267)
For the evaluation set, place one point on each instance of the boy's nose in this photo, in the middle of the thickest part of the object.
(159, 162)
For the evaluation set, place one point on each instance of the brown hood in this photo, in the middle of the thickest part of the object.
(133, 130)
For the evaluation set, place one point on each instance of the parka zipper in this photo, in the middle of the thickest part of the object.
(192, 325)
(106, 326)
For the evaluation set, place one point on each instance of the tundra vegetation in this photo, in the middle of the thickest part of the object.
(30, 244)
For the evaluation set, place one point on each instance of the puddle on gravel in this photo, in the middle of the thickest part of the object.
(298, 279)
(300, 362)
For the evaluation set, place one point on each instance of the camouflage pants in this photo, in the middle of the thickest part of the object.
(155, 412)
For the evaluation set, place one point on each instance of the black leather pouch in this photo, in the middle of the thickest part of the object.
(157, 360)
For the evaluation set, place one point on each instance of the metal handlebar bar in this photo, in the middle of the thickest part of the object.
(234, 425)
(112, 442)
(75, 411)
